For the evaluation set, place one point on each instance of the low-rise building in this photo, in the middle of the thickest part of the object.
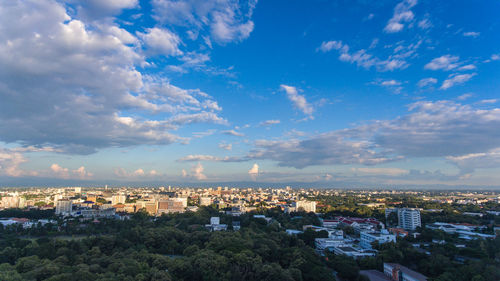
(398, 272)
(367, 238)
(215, 224)
(352, 251)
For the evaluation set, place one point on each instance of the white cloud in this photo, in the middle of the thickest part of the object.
(425, 23)
(254, 171)
(203, 157)
(197, 172)
(446, 62)
(471, 34)
(467, 67)
(224, 20)
(298, 100)
(383, 171)
(65, 173)
(364, 59)
(469, 162)
(402, 15)
(390, 83)
(456, 80)
(137, 174)
(10, 160)
(464, 96)
(426, 82)
(226, 146)
(233, 133)
(269, 122)
(327, 46)
(161, 41)
(431, 129)
(59, 171)
(65, 62)
(488, 101)
(495, 57)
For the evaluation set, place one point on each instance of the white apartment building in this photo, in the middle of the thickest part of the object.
(118, 198)
(64, 207)
(408, 218)
(308, 206)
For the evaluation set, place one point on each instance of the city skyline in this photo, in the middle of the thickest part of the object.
(326, 93)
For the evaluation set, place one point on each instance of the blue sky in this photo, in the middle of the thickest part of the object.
(328, 93)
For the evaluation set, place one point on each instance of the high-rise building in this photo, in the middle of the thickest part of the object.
(308, 206)
(64, 207)
(118, 198)
(408, 218)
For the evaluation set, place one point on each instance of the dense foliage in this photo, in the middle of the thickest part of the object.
(173, 247)
(178, 247)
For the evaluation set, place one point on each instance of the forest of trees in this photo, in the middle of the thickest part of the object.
(178, 247)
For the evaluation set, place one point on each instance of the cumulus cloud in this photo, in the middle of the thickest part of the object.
(425, 23)
(471, 34)
(82, 173)
(254, 171)
(65, 173)
(456, 79)
(467, 67)
(66, 103)
(197, 172)
(468, 163)
(326, 149)
(138, 173)
(226, 146)
(225, 21)
(446, 62)
(426, 82)
(366, 60)
(233, 133)
(402, 15)
(161, 41)
(430, 129)
(298, 100)
(390, 83)
(10, 160)
(269, 123)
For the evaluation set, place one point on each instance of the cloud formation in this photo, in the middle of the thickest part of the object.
(54, 76)
(298, 100)
(269, 123)
(254, 171)
(446, 62)
(366, 60)
(456, 79)
(222, 21)
(65, 173)
(402, 15)
(431, 129)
